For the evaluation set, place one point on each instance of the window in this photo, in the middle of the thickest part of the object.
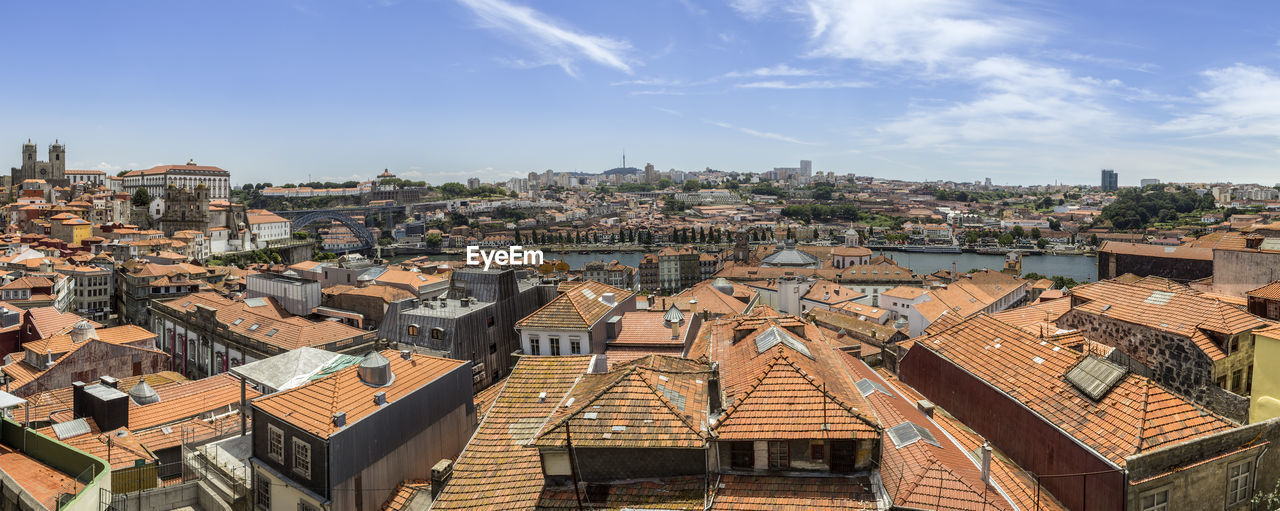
(437, 333)
(535, 345)
(1248, 381)
(302, 458)
(1235, 344)
(816, 452)
(490, 320)
(264, 492)
(779, 455)
(575, 346)
(1237, 381)
(237, 322)
(275, 444)
(1238, 482)
(1222, 382)
(555, 345)
(742, 455)
(413, 330)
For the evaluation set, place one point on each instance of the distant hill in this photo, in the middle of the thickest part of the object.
(621, 170)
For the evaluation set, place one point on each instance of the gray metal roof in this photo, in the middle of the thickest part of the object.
(774, 335)
(143, 394)
(287, 370)
(673, 315)
(104, 392)
(8, 400)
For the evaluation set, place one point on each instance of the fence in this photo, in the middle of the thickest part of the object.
(225, 479)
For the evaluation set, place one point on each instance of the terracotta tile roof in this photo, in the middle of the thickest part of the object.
(922, 474)
(1219, 240)
(840, 320)
(484, 399)
(62, 343)
(576, 309)
(291, 331)
(408, 278)
(184, 400)
(633, 406)
(685, 493)
(1136, 415)
(1018, 487)
(119, 450)
(311, 406)
(708, 299)
(748, 492)
(1269, 292)
(904, 292)
(875, 272)
(495, 471)
(406, 492)
(49, 401)
(1035, 316)
(161, 169)
(1142, 249)
(786, 403)
(826, 291)
(875, 314)
(1179, 313)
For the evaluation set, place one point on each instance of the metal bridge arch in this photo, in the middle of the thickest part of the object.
(358, 229)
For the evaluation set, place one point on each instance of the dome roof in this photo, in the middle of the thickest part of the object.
(673, 315)
(790, 256)
(83, 331)
(375, 370)
(722, 285)
(143, 394)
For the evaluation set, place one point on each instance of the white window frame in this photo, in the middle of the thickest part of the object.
(575, 345)
(555, 345)
(301, 457)
(1156, 503)
(275, 444)
(1239, 494)
(535, 345)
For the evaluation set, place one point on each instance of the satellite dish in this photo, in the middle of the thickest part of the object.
(156, 208)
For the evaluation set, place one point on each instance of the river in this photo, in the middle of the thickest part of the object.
(1080, 268)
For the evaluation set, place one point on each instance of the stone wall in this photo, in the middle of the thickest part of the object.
(1181, 269)
(1174, 361)
(1195, 472)
(1236, 272)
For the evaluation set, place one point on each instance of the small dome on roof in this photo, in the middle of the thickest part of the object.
(143, 394)
(673, 315)
(375, 370)
(722, 285)
(83, 331)
(900, 323)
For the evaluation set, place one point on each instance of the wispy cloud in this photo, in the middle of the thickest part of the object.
(1071, 56)
(1242, 100)
(553, 41)
(822, 84)
(657, 92)
(756, 133)
(676, 113)
(928, 32)
(778, 70)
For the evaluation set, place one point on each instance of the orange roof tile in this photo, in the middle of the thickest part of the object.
(1136, 415)
(578, 308)
(311, 406)
(751, 493)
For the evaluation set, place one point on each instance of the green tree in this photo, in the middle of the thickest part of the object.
(1006, 239)
(517, 237)
(301, 235)
(141, 197)
(1093, 239)
(1035, 233)
(1042, 243)
(1018, 232)
(433, 240)
(665, 183)
(691, 185)
(972, 237)
(454, 190)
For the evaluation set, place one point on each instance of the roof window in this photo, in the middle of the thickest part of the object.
(1095, 376)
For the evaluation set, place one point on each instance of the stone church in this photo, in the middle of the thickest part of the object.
(53, 171)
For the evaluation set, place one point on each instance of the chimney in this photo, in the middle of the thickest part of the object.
(986, 462)
(380, 398)
(77, 399)
(440, 474)
(925, 407)
(406, 354)
(608, 299)
(340, 419)
(675, 329)
(713, 390)
(110, 382)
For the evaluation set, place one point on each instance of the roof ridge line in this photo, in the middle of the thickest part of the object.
(822, 388)
(569, 414)
(671, 407)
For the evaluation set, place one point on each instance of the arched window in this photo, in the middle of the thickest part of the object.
(413, 330)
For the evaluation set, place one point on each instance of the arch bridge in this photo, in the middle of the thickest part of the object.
(357, 228)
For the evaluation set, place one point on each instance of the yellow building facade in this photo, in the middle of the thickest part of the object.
(1264, 403)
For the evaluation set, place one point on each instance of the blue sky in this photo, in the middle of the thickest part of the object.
(1021, 92)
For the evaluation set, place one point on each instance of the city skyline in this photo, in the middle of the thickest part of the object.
(446, 90)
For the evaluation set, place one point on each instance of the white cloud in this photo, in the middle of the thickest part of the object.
(554, 42)
(928, 32)
(754, 8)
(822, 84)
(1018, 101)
(107, 167)
(1242, 100)
(778, 70)
(756, 133)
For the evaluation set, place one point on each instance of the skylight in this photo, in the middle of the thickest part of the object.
(1095, 376)
(273, 332)
(866, 387)
(589, 294)
(909, 433)
(253, 327)
(1158, 298)
(774, 335)
(672, 395)
(237, 322)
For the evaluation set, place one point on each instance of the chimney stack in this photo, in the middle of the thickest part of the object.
(986, 462)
